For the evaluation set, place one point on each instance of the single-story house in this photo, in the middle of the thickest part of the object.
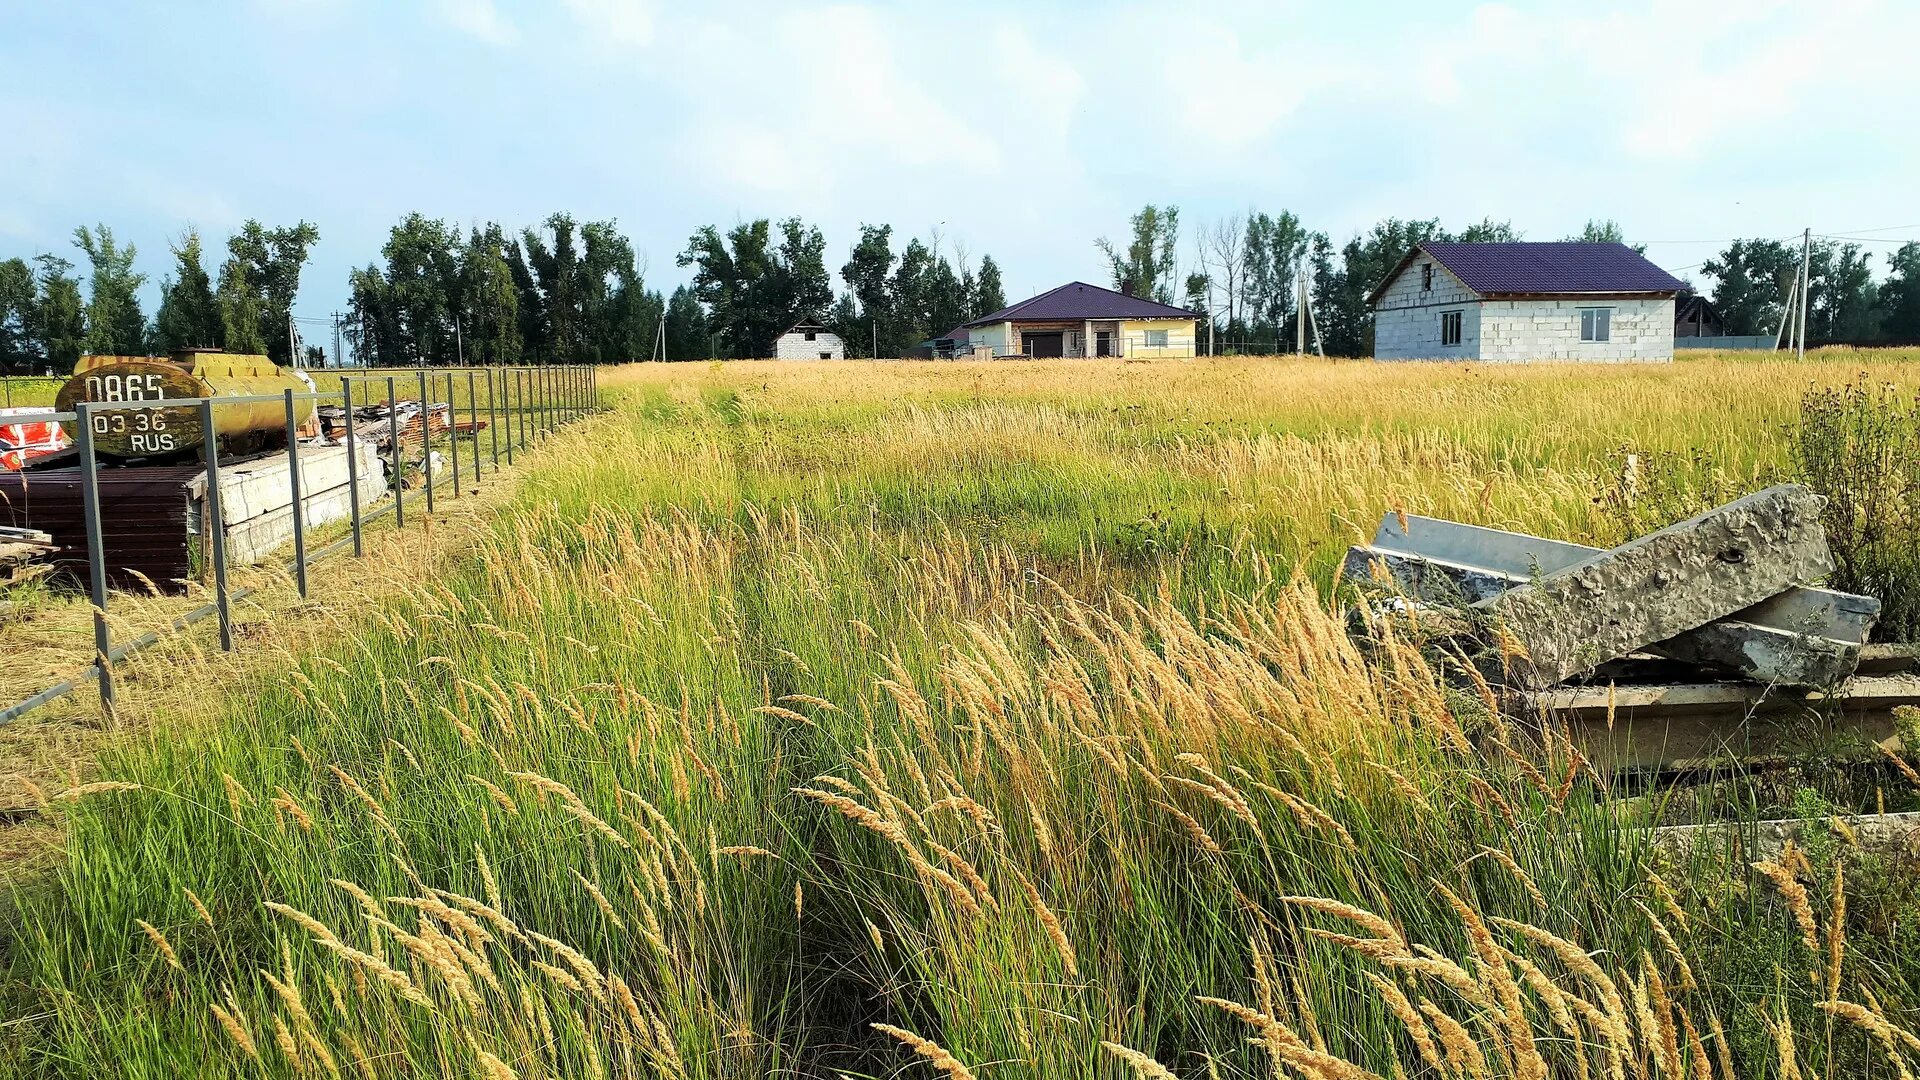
(1516, 302)
(809, 341)
(1076, 320)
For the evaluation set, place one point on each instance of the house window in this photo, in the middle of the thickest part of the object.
(1596, 324)
(810, 335)
(826, 356)
(1450, 327)
(1156, 339)
(1426, 278)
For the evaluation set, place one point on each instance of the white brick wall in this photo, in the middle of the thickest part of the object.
(1515, 331)
(1407, 325)
(1406, 321)
(795, 346)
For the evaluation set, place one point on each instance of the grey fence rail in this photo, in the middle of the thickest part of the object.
(522, 404)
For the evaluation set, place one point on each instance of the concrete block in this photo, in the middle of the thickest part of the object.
(1664, 584)
(1799, 637)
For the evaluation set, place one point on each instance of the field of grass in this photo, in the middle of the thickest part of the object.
(967, 719)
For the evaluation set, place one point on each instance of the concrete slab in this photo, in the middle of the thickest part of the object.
(1661, 585)
(1801, 637)
(256, 496)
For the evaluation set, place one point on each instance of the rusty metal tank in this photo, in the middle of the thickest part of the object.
(163, 433)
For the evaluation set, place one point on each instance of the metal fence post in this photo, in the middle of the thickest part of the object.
(426, 440)
(293, 486)
(493, 421)
(399, 471)
(215, 526)
(453, 436)
(520, 410)
(473, 422)
(96, 550)
(353, 468)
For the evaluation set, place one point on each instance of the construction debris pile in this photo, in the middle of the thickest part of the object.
(1726, 594)
(376, 424)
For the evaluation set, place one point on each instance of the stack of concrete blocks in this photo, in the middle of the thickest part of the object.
(1727, 590)
(256, 496)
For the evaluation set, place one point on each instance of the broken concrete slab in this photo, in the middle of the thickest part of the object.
(1661, 585)
(1801, 637)
(1821, 612)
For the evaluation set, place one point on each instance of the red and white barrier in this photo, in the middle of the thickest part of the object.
(23, 441)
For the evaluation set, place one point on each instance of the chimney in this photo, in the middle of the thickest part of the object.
(1126, 288)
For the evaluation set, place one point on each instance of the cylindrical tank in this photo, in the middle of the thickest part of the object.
(146, 433)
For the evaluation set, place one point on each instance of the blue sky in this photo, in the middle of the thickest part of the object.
(1024, 130)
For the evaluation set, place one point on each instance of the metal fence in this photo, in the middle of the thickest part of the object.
(521, 405)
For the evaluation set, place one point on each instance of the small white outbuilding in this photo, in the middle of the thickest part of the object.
(809, 341)
(1519, 302)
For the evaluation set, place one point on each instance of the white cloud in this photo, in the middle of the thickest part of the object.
(479, 19)
(628, 23)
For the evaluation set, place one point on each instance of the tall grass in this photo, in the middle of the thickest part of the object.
(803, 723)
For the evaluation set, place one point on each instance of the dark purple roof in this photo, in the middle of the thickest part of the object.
(1560, 267)
(1079, 300)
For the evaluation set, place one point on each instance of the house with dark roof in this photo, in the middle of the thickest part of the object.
(1074, 320)
(1517, 302)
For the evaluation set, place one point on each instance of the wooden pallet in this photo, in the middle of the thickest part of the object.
(1687, 725)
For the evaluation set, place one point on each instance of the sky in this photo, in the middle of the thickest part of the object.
(1023, 130)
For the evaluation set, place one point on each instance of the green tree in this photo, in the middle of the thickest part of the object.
(20, 348)
(273, 259)
(867, 271)
(59, 321)
(373, 320)
(1489, 231)
(1899, 301)
(1275, 244)
(909, 301)
(1604, 231)
(1345, 321)
(1751, 279)
(1843, 304)
(490, 301)
(687, 337)
(947, 299)
(189, 316)
(422, 280)
(989, 295)
(1145, 267)
(115, 325)
(553, 259)
(240, 309)
(753, 289)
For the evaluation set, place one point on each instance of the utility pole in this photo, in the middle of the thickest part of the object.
(459, 348)
(1209, 317)
(1806, 285)
(875, 321)
(1300, 310)
(293, 342)
(1786, 314)
(339, 358)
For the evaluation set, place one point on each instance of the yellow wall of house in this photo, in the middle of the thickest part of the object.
(1179, 338)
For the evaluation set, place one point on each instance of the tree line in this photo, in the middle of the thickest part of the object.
(48, 323)
(573, 292)
(567, 291)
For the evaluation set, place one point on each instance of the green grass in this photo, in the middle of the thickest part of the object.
(1047, 648)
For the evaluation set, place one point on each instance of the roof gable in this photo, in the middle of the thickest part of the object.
(1079, 300)
(1566, 267)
